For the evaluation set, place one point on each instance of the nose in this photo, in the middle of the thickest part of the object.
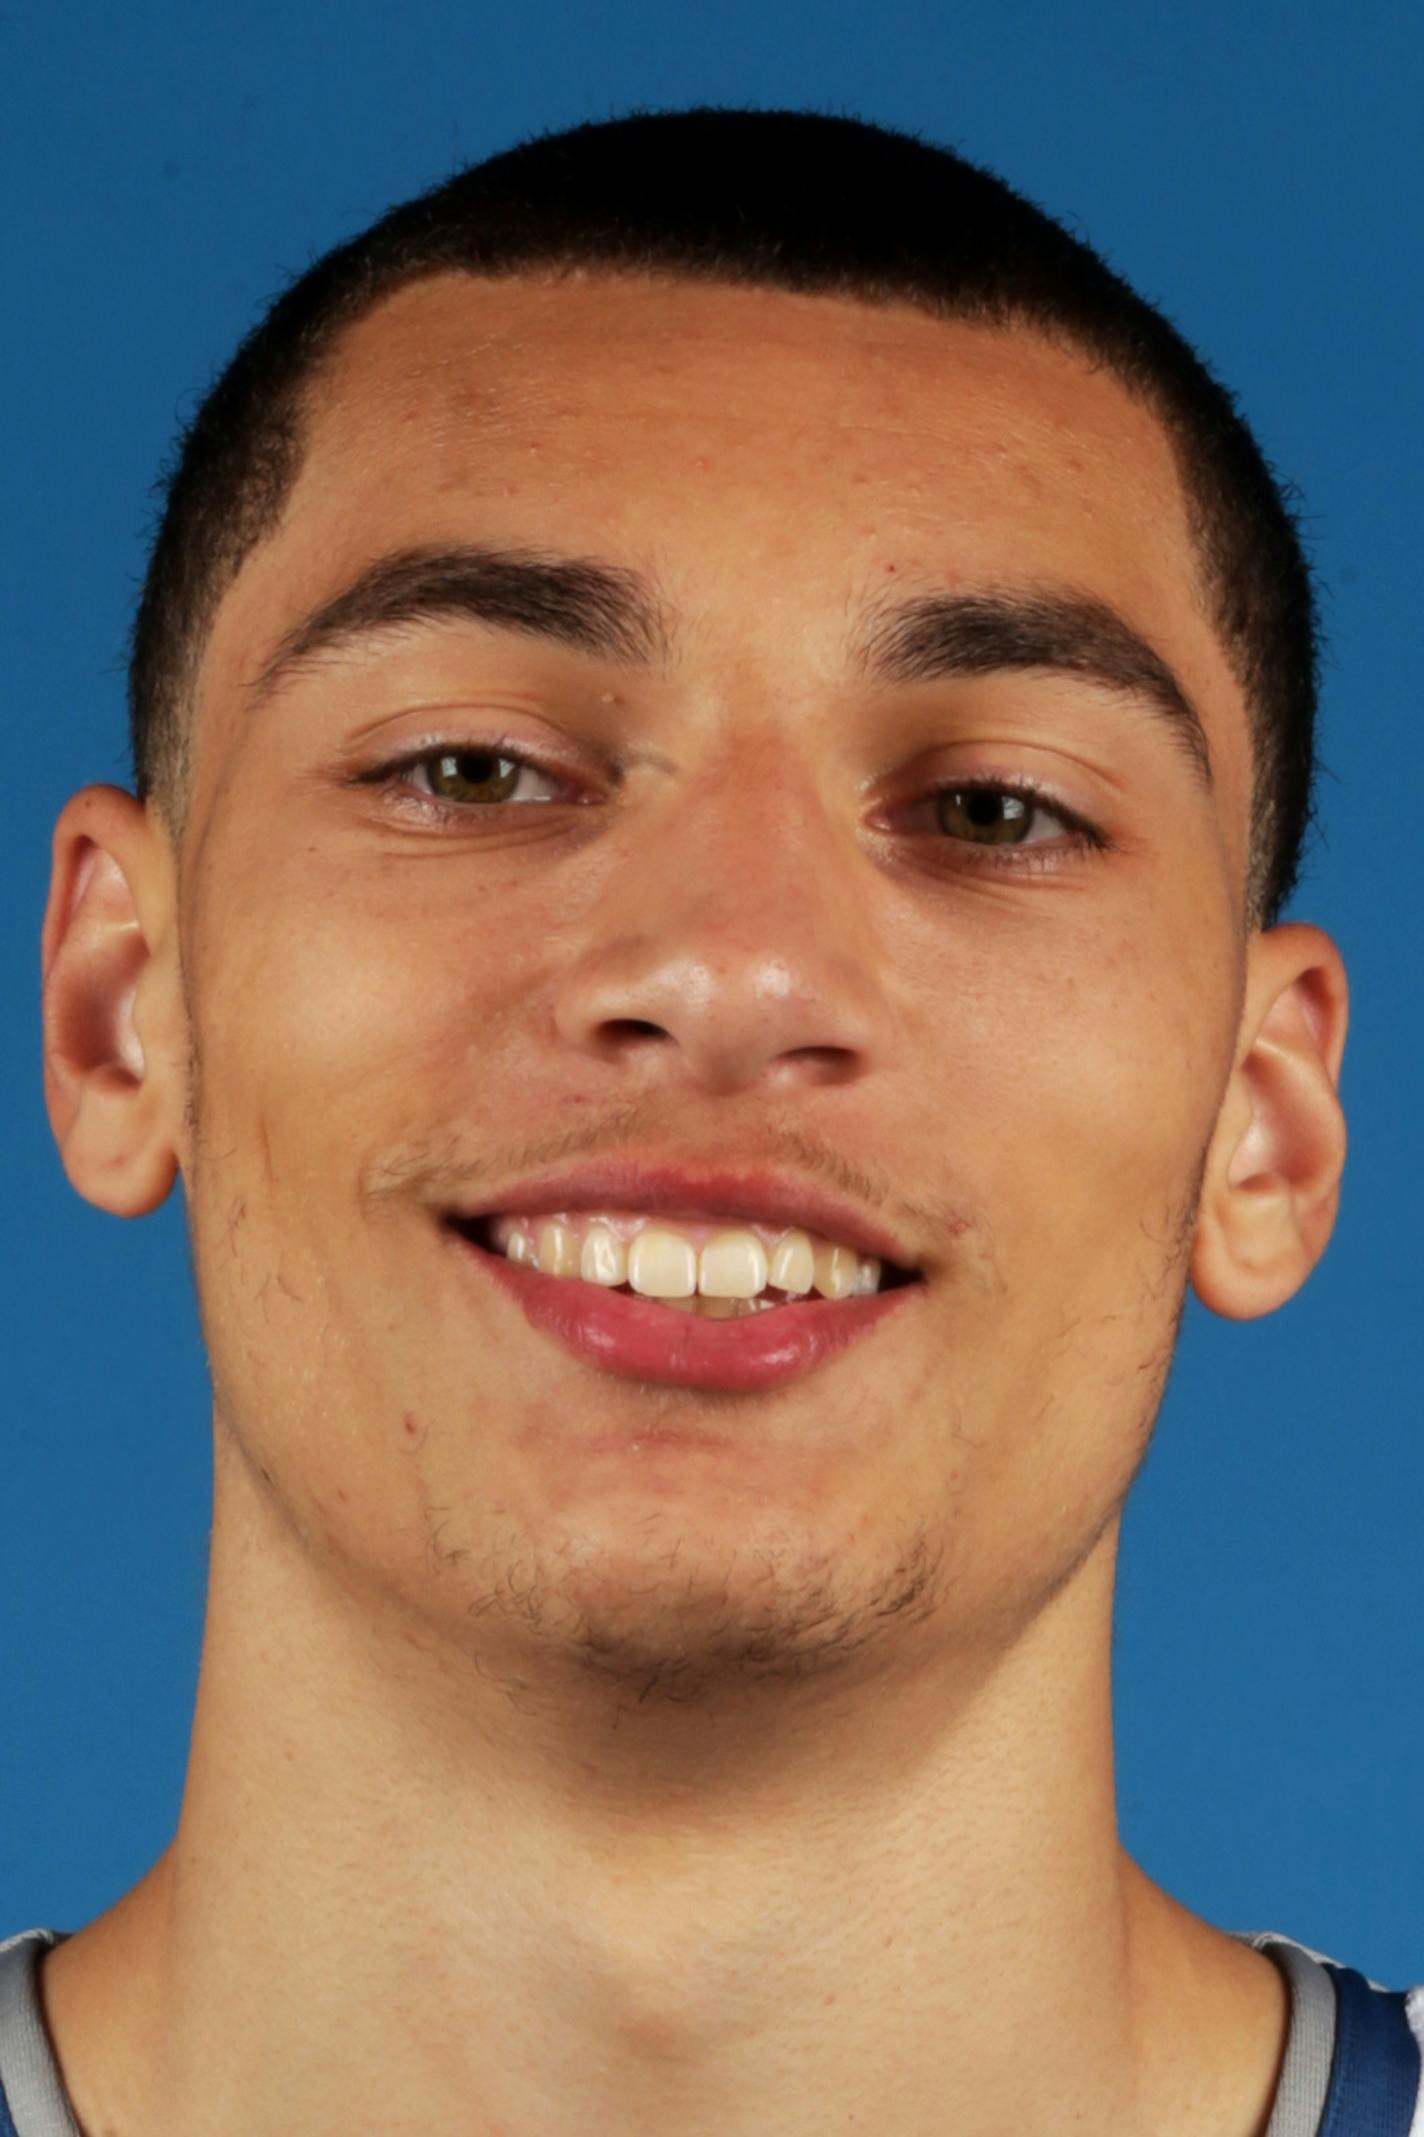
(730, 948)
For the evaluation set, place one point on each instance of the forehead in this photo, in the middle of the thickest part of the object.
(541, 390)
(719, 438)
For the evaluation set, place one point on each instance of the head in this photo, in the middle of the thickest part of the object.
(818, 204)
(754, 499)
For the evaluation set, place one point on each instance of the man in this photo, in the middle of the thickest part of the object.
(723, 723)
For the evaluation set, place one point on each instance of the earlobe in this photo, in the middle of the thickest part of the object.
(1271, 1185)
(112, 1003)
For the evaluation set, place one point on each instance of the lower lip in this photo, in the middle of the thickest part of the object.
(625, 1334)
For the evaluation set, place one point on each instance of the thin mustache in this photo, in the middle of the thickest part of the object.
(444, 1172)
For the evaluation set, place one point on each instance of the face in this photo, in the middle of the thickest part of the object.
(738, 912)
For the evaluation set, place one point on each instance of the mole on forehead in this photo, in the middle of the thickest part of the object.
(609, 611)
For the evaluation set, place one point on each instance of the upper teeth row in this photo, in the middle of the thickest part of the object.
(663, 1262)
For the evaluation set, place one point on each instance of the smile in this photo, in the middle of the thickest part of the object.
(686, 1302)
(719, 1271)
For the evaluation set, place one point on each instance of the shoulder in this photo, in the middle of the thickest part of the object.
(19, 1953)
(1355, 2056)
(30, 2085)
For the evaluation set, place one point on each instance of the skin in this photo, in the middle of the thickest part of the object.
(759, 1786)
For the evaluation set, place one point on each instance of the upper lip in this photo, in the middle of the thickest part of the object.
(696, 1192)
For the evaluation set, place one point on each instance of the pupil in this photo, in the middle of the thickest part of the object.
(1004, 817)
(475, 775)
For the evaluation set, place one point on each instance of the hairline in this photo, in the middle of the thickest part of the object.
(290, 411)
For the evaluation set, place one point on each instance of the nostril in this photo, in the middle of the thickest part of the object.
(631, 1028)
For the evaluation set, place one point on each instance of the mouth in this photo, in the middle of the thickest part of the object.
(721, 1271)
(683, 1297)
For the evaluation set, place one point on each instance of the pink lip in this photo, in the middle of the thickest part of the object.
(697, 1192)
(635, 1336)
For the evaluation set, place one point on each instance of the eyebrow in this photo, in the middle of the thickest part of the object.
(988, 633)
(592, 606)
(612, 612)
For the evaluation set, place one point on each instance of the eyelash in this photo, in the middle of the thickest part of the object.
(1081, 837)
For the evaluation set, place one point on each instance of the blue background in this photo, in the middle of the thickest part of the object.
(1258, 174)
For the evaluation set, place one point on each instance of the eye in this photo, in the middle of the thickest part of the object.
(462, 782)
(989, 819)
(986, 815)
(482, 776)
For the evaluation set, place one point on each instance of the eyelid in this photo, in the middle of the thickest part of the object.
(385, 774)
(1081, 837)
(1017, 785)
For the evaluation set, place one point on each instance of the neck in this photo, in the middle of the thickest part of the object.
(899, 1903)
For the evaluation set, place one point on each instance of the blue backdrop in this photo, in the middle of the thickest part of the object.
(1258, 173)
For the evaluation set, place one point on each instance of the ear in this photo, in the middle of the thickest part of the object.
(115, 1040)
(1271, 1185)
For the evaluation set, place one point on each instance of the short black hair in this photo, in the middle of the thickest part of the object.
(793, 200)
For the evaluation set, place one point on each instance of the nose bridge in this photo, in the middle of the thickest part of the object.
(734, 930)
(743, 841)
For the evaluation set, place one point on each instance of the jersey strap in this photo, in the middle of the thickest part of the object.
(1374, 2075)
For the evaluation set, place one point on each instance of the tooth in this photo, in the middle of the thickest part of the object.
(558, 1250)
(732, 1266)
(732, 1270)
(835, 1268)
(718, 1309)
(793, 1265)
(605, 1258)
(662, 1265)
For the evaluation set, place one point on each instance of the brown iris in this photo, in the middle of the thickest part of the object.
(982, 815)
(473, 775)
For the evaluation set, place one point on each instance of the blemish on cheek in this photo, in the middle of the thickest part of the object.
(413, 1429)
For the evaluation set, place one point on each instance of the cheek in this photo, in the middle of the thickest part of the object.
(1086, 1075)
(1076, 1086)
(340, 1011)
(341, 1034)
(1078, 1103)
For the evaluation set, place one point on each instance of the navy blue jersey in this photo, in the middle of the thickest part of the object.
(1352, 2061)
